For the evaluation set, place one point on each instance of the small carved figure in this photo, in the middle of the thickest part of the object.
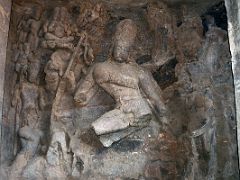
(34, 25)
(162, 23)
(59, 26)
(33, 38)
(60, 59)
(126, 82)
(189, 37)
(22, 30)
(28, 30)
(58, 30)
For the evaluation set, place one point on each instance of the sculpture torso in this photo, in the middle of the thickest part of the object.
(121, 81)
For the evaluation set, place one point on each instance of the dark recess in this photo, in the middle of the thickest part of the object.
(165, 75)
(219, 13)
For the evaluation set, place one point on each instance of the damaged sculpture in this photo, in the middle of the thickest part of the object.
(95, 89)
(125, 81)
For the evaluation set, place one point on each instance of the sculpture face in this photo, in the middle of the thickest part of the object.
(119, 53)
(124, 38)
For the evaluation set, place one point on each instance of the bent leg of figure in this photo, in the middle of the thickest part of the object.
(112, 121)
(108, 139)
(30, 140)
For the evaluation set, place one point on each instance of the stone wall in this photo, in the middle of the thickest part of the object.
(5, 10)
(233, 9)
(195, 140)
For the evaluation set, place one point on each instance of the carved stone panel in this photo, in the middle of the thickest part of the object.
(109, 90)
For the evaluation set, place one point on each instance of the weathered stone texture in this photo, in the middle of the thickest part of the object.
(5, 10)
(66, 68)
(233, 10)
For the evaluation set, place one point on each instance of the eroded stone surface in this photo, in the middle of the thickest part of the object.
(233, 24)
(62, 56)
(5, 9)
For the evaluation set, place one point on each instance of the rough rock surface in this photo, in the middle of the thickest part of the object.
(53, 47)
(5, 10)
(233, 29)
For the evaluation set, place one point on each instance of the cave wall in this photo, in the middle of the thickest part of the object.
(233, 9)
(5, 11)
(197, 88)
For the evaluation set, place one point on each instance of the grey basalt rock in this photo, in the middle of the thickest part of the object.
(80, 101)
(233, 30)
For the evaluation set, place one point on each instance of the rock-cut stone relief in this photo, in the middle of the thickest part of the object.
(63, 49)
(133, 89)
(100, 91)
(69, 53)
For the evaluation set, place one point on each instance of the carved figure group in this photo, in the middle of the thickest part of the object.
(70, 69)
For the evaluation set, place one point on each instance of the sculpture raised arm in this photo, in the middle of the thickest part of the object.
(86, 90)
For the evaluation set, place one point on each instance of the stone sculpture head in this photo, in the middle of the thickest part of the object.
(37, 13)
(125, 35)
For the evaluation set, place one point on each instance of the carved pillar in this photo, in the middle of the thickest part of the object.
(233, 10)
(5, 10)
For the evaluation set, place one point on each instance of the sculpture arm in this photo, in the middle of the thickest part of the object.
(153, 92)
(86, 90)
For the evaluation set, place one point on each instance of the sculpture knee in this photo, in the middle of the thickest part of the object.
(101, 73)
(30, 139)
